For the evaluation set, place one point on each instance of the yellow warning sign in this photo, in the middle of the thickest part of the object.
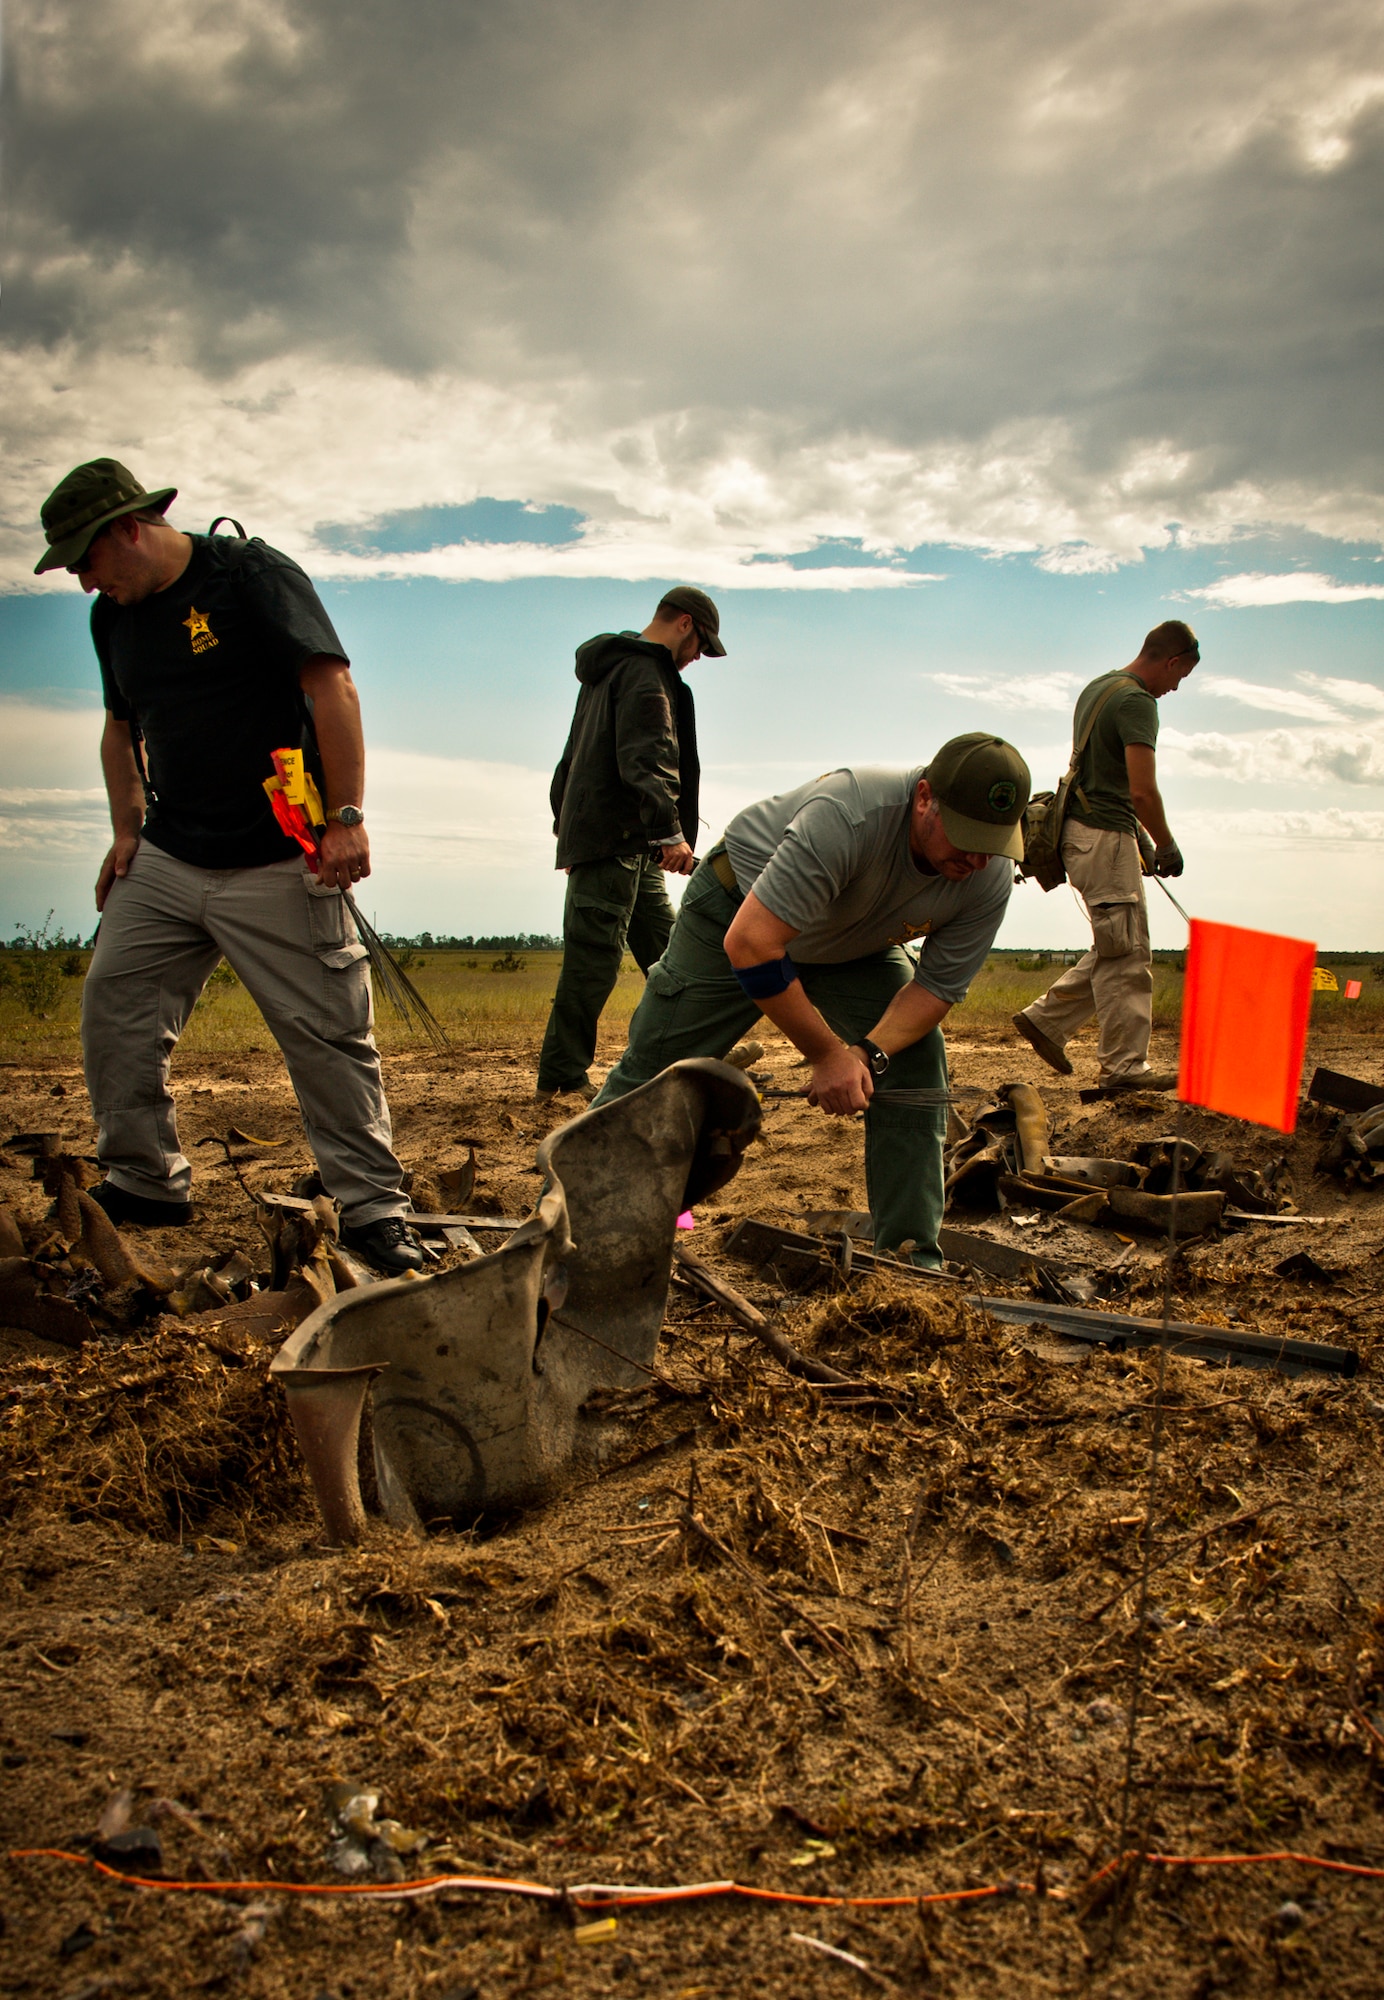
(1324, 980)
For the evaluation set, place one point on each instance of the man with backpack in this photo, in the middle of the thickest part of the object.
(214, 652)
(1114, 814)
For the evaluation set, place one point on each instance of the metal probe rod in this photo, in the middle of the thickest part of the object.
(1172, 899)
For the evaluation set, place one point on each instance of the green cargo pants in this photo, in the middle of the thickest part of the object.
(610, 905)
(694, 1005)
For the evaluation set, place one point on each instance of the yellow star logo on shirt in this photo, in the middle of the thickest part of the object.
(199, 629)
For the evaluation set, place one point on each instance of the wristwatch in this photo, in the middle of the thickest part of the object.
(347, 815)
(876, 1061)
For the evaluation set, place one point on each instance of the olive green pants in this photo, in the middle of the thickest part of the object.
(611, 906)
(694, 1005)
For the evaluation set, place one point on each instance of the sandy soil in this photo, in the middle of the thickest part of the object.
(894, 1659)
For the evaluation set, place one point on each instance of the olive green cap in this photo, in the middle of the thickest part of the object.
(703, 613)
(981, 784)
(82, 504)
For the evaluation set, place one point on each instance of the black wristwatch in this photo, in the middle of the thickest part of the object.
(876, 1061)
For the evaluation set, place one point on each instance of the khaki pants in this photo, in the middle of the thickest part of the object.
(1115, 979)
(294, 947)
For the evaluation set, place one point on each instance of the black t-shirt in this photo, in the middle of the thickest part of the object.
(208, 669)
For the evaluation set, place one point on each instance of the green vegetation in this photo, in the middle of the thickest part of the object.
(485, 1002)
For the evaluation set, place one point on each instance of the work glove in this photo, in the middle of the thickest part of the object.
(1147, 850)
(1167, 860)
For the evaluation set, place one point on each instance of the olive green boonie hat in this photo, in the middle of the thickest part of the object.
(981, 785)
(82, 504)
(703, 613)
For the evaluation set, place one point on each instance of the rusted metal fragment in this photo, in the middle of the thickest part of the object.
(482, 1372)
(24, 1303)
(796, 1258)
(1209, 1343)
(1343, 1093)
(1130, 1208)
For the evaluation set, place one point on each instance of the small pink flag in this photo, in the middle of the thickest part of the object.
(1352, 989)
(685, 1220)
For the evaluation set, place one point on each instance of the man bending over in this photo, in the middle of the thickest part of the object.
(846, 871)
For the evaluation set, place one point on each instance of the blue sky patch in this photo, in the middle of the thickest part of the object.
(417, 529)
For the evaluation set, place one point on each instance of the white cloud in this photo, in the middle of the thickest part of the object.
(318, 263)
(1350, 755)
(46, 749)
(1013, 691)
(1276, 700)
(1350, 694)
(449, 813)
(1255, 590)
(1331, 826)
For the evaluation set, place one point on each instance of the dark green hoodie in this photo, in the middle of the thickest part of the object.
(629, 776)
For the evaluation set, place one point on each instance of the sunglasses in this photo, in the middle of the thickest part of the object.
(84, 560)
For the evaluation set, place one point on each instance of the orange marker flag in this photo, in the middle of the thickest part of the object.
(1352, 989)
(1245, 1009)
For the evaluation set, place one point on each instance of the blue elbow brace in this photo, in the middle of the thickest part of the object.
(762, 982)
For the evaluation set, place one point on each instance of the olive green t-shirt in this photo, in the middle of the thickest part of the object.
(1130, 715)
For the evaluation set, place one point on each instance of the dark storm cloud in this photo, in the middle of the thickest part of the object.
(767, 228)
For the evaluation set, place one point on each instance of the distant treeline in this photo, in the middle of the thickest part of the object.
(516, 941)
(1036, 956)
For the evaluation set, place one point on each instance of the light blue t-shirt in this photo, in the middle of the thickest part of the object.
(832, 859)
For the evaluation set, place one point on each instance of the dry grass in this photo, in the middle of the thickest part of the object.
(481, 1008)
(155, 1433)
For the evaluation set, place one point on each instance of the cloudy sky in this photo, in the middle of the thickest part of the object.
(952, 346)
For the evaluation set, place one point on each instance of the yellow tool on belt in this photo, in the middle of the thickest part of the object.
(297, 806)
(294, 779)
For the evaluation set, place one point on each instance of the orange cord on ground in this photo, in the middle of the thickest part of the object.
(611, 1896)
(1234, 1861)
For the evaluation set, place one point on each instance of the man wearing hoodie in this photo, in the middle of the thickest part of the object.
(624, 800)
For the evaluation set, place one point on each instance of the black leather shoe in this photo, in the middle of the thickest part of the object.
(389, 1245)
(141, 1208)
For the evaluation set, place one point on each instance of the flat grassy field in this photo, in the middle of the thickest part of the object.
(481, 1007)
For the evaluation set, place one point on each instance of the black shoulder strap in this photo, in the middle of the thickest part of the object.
(309, 731)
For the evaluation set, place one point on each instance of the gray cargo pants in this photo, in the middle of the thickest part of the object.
(293, 945)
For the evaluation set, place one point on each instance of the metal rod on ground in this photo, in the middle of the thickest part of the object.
(754, 1321)
(963, 1093)
(1155, 1444)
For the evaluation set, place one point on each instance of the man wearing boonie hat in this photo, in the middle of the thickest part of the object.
(215, 651)
(624, 800)
(848, 870)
